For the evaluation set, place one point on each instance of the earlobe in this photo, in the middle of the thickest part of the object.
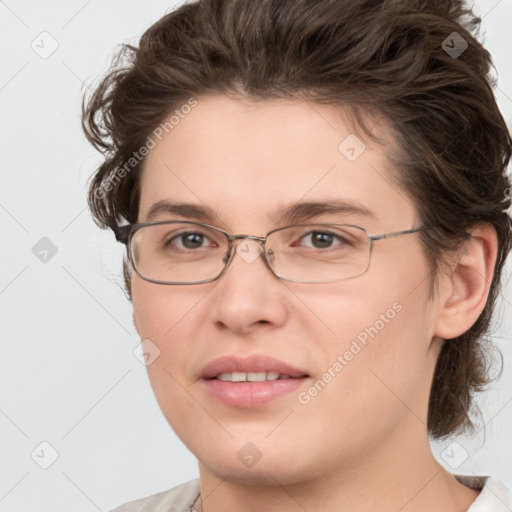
(467, 288)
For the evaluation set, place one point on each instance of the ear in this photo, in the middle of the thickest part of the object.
(464, 292)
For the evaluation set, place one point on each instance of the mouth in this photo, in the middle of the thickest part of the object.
(253, 368)
(252, 381)
(253, 376)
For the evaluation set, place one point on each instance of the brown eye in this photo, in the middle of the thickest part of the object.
(189, 240)
(321, 240)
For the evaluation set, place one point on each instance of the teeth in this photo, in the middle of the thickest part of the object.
(251, 376)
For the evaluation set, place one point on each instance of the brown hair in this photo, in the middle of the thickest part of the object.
(399, 58)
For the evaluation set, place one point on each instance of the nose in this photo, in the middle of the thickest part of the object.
(249, 295)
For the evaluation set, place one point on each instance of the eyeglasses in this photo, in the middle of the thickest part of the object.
(182, 252)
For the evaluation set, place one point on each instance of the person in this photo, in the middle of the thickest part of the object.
(314, 202)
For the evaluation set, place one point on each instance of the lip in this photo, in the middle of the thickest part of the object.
(254, 363)
(247, 395)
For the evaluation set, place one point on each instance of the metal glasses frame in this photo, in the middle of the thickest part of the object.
(124, 235)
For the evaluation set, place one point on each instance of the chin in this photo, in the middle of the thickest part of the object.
(258, 463)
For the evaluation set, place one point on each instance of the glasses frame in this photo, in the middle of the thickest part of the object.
(124, 235)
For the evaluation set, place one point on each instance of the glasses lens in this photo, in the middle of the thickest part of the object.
(187, 252)
(318, 253)
(178, 252)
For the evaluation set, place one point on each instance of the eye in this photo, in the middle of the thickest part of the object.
(320, 239)
(187, 240)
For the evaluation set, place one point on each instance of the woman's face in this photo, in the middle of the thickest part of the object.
(364, 343)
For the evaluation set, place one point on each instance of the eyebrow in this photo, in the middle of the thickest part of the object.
(292, 213)
(303, 211)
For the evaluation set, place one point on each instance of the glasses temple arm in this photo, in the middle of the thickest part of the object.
(399, 233)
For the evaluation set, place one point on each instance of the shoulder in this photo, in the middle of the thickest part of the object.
(177, 499)
(494, 495)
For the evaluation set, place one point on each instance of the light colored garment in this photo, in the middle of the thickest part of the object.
(493, 497)
(177, 499)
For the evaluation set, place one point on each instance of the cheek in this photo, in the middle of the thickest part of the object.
(365, 340)
(160, 310)
(375, 358)
(168, 318)
(362, 388)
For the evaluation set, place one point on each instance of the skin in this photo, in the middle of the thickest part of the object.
(361, 444)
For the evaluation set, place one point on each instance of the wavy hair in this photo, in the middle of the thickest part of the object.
(417, 63)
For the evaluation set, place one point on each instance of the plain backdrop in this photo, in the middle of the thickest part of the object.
(75, 399)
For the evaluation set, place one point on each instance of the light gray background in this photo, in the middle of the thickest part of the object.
(67, 371)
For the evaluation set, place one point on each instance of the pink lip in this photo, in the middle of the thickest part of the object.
(248, 395)
(254, 363)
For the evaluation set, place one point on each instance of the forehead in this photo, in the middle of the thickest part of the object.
(249, 158)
